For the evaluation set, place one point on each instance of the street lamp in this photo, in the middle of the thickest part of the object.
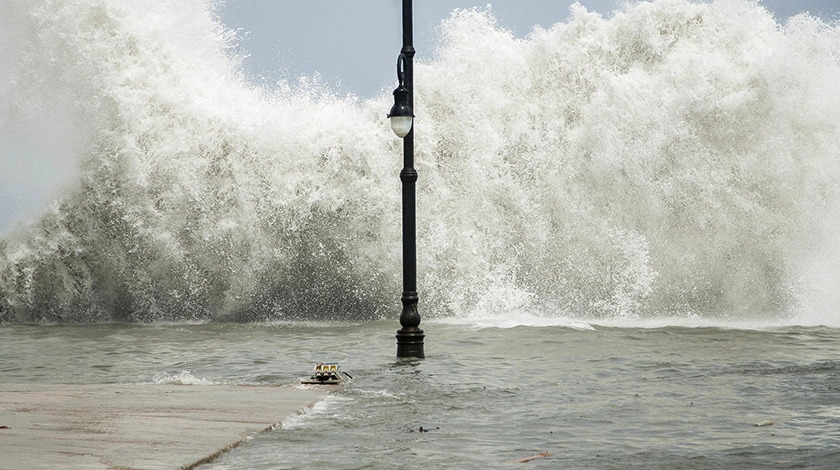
(402, 117)
(410, 336)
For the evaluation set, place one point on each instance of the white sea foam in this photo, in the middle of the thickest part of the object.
(185, 377)
(327, 405)
(677, 159)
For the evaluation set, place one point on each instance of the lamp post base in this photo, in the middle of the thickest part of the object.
(410, 342)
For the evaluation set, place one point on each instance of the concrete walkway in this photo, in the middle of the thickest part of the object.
(98, 427)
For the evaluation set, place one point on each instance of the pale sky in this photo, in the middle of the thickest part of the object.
(354, 44)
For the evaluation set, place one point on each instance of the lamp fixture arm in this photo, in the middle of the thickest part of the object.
(401, 69)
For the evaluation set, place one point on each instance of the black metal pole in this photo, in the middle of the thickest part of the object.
(410, 336)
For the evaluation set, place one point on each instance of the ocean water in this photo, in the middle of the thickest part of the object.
(593, 396)
(627, 249)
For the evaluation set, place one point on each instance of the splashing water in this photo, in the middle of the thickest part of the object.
(677, 159)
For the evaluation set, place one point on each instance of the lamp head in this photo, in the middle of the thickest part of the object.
(401, 116)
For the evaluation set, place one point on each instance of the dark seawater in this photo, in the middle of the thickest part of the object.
(659, 397)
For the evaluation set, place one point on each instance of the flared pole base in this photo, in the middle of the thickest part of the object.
(410, 342)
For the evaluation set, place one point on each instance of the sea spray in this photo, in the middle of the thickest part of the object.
(672, 160)
(199, 197)
(676, 158)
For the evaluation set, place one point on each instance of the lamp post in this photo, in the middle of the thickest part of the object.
(410, 336)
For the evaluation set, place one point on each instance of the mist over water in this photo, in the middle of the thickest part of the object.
(676, 159)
